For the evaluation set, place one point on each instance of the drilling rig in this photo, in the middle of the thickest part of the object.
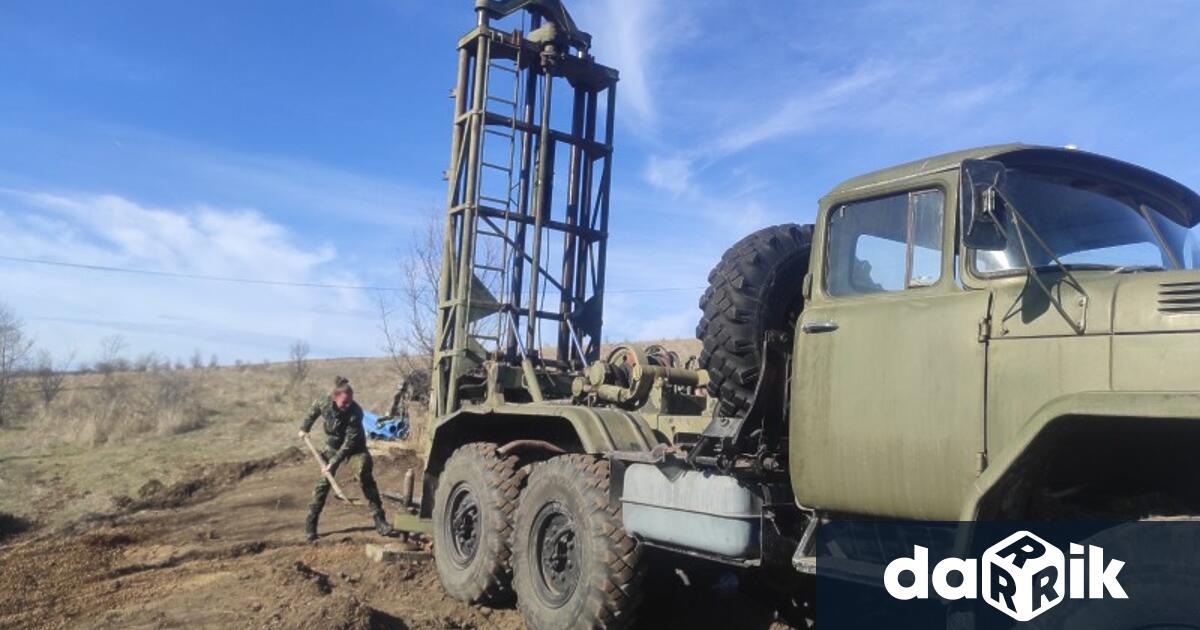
(518, 377)
(521, 291)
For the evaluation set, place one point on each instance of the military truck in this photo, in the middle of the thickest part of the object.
(1006, 332)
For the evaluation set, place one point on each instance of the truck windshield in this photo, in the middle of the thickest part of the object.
(1090, 225)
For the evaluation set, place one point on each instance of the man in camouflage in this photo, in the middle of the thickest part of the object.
(344, 441)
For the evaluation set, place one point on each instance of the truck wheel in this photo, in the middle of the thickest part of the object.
(473, 510)
(754, 288)
(573, 564)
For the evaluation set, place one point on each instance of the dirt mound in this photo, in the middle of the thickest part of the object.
(337, 612)
(311, 600)
(108, 540)
(201, 484)
(398, 458)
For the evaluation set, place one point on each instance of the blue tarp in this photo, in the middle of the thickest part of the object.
(395, 429)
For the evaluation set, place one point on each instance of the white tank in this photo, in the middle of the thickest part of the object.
(695, 510)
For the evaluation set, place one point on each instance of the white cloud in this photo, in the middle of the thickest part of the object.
(637, 37)
(149, 165)
(626, 27)
(805, 110)
(673, 174)
(70, 308)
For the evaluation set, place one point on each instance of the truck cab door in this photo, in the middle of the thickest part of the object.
(887, 393)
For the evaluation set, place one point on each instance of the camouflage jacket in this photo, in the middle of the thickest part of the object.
(343, 428)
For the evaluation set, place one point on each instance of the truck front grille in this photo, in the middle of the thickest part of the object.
(1176, 298)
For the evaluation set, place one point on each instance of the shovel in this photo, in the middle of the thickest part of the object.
(337, 490)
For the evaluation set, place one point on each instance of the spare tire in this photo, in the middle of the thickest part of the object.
(755, 287)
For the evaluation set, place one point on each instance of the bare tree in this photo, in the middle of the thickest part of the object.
(14, 351)
(49, 376)
(411, 343)
(197, 360)
(145, 362)
(393, 341)
(420, 269)
(213, 362)
(110, 360)
(298, 364)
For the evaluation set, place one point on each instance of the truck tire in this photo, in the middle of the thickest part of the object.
(573, 564)
(473, 510)
(754, 288)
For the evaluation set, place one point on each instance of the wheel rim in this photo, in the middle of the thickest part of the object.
(462, 525)
(556, 554)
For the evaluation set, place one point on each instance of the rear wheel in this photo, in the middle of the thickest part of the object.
(473, 511)
(755, 288)
(574, 566)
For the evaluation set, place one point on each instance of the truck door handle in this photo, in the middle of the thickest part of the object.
(818, 327)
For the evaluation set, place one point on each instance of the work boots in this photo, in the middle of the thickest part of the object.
(310, 527)
(382, 525)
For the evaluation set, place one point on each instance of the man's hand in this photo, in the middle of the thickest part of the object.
(303, 434)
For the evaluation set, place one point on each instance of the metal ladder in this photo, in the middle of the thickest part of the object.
(494, 251)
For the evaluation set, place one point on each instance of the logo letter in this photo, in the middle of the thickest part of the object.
(1103, 577)
(967, 587)
(1023, 549)
(1044, 582)
(1004, 588)
(918, 566)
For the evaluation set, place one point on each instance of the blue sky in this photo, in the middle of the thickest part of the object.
(305, 141)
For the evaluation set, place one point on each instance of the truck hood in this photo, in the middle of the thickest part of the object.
(1167, 301)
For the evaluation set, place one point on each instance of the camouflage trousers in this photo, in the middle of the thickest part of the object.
(363, 468)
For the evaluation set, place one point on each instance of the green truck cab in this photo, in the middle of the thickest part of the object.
(1000, 333)
(1028, 314)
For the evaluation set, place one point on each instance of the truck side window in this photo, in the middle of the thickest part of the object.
(885, 244)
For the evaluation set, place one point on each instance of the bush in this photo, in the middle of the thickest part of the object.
(165, 404)
(14, 349)
(298, 364)
(177, 406)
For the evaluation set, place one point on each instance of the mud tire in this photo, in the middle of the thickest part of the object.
(755, 287)
(477, 472)
(608, 585)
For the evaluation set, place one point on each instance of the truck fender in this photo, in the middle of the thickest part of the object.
(569, 428)
(1073, 407)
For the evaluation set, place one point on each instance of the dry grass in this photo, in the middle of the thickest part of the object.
(116, 408)
(97, 409)
(106, 437)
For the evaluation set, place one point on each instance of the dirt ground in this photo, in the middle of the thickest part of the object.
(204, 528)
(222, 547)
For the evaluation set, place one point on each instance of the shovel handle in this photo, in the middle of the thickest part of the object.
(337, 490)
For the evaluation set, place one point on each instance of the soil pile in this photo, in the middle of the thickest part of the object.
(201, 484)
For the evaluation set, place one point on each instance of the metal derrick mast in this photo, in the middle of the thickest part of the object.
(520, 295)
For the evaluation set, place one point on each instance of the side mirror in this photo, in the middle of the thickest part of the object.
(984, 213)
